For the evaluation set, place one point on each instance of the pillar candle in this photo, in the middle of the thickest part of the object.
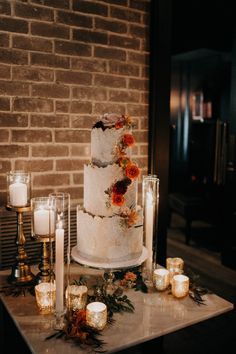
(18, 194)
(149, 215)
(59, 270)
(41, 222)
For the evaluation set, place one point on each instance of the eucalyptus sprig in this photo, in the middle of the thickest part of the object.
(196, 291)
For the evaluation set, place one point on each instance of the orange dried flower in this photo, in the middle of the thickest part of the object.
(132, 218)
(128, 140)
(123, 161)
(119, 124)
(130, 276)
(132, 171)
(117, 199)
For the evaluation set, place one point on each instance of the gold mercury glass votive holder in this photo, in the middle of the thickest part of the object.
(180, 285)
(175, 266)
(161, 279)
(45, 297)
(96, 315)
(76, 297)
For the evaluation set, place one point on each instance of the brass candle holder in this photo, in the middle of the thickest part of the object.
(21, 273)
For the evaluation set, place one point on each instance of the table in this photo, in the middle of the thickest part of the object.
(156, 314)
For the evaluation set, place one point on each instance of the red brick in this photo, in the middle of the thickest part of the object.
(14, 88)
(138, 58)
(81, 107)
(5, 72)
(25, 73)
(123, 96)
(31, 136)
(11, 151)
(145, 71)
(62, 4)
(70, 164)
(34, 165)
(55, 121)
(80, 150)
(50, 150)
(10, 56)
(34, 12)
(101, 108)
(4, 40)
(13, 25)
(50, 60)
(144, 150)
(75, 192)
(3, 198)
(123, 68)
(140, 5)
(111, 26)
(144, 123)
(90, 7)
(84, 122)
(3, 182)
(13, 120)
(124, 42)
(62, 106)
(73, 48)
(139, 31)
(5, 166)
(110, 53)
(33, 44)
(88, 36)
(49, 30)
(50, 90)
(72, 136)
(125, 14)
(141, 136)
(78, 178)
(89, 93)
(72, 77)
(137, 110)
(109, 81)
(5, 8)
(4, 104)
(33, 105)
(73, 19)
(89, 65)
(138, 84)
(58, 179)
(4, 136)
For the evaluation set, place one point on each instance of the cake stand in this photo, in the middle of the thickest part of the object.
(111, 267)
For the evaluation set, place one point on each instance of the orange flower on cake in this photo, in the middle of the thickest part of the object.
(117, 199)
(128, 140)
(132, 171)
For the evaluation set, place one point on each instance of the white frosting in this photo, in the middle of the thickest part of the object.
(96, 181)
(103, 145)
(107, 239)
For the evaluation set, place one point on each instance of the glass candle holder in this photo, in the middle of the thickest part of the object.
(76, 297)
(18, 188)
(96, 315)
(150, 190)
(161, 279)
(180, 285)
(175, 266)
(45, 297)
(43, 218)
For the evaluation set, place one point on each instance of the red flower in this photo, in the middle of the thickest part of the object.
(132, 171)
(119, 124)
(128, 140)
(117, 199)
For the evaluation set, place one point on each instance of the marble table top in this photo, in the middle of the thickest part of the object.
(156, 314)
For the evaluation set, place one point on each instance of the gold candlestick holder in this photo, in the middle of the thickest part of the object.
(21, 273)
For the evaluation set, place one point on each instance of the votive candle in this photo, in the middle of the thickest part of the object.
(161, 279)
(96, 315)
(175, 266)
(180, 285)
(76, 297)
(45, 297)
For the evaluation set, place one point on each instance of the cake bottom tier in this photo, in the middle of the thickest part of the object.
(107, 239)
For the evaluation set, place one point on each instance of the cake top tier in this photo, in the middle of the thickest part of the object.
(111, 138)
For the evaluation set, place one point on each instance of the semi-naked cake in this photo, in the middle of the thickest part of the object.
(109, 226)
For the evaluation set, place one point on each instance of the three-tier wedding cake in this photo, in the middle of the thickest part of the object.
(109, 226)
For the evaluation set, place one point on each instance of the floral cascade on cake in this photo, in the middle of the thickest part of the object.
(109, 227)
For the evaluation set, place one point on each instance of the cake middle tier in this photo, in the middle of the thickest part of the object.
(98, 181)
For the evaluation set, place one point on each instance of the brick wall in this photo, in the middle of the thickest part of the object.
(63, 63)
